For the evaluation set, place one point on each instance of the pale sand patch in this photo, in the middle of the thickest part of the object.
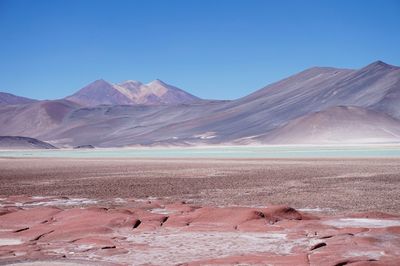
(376, 255)
(362, 222)
(173, 247)
(317, 209)
(161, 211)
(10, 241)
(51, 263)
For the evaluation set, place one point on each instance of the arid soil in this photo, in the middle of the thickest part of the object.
(199, 212)
(331, 185)
(61, 231)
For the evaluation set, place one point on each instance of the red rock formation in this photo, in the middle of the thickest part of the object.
(140, 232)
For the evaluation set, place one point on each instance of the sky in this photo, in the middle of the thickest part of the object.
(214, 49)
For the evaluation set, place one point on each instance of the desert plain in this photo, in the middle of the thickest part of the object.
(197, 211)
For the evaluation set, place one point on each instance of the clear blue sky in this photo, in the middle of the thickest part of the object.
(221, 49)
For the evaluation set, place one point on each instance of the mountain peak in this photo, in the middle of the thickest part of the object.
(100, 82)
(131, 92)
(379, 64)
(157, 82)
(99, 92)
(8, 98)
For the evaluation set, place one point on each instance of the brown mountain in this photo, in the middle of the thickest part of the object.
(131, 93)
(370, 94)
(309, 91)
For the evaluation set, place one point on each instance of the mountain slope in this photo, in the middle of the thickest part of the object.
(310, 91)
(157, 92)
(8, 98)
(131, 93)
(17, 142)
(35, 119)
(157, 119)
(337, 125)
(108, 126)
(99, 92)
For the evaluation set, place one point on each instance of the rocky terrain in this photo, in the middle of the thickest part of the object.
(326, 185)
(127, 211)
(330, 104)
(68, 231)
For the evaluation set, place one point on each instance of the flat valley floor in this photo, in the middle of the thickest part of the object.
(334, 185)
(130, 211)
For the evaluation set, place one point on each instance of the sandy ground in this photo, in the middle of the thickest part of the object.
(327, 185)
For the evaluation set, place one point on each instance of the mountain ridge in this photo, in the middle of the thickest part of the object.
(253, 118)
(18, 142)
(9, 98)
(131, 92)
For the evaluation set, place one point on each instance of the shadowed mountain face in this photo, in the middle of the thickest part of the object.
(8, 98)
(34, 119)
(99, 92)
(131, 93)
(16, 142)
(153, 114)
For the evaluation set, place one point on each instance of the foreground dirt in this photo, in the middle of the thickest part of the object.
(70, 231)
(199, 212)
(329, 185)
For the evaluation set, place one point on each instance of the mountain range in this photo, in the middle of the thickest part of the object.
(321, 105)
